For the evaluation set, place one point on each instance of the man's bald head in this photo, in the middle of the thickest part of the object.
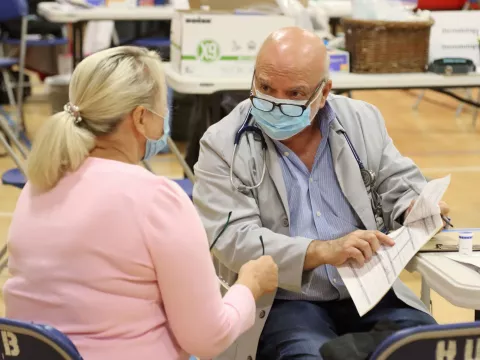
(293, 49)
(292, 64)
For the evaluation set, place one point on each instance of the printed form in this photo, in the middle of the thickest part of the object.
(368, 284)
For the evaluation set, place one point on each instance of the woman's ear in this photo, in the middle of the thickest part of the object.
(138, 118)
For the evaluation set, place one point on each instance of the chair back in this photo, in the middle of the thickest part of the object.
(26, 341)
(449, 342)
(13, 9)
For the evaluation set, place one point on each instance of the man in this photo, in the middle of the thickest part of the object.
(312, 211)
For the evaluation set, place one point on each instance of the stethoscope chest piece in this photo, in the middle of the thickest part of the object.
(368, 177)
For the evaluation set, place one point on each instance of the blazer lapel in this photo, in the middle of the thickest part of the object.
(349, 177)
(276, 174)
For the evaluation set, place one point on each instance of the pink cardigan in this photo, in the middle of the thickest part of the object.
(117, 259)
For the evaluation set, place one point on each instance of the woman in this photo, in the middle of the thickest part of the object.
(107, 252)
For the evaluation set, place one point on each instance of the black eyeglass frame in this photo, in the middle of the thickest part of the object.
(279, 105)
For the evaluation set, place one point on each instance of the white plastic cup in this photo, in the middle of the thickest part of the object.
(465, 243)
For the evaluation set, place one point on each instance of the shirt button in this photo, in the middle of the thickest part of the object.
(285, 222)
(262, 314)
(319, 213)
(311, 179)
(286, 153)
(334, 281)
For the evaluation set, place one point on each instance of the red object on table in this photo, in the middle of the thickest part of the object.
(440, 4)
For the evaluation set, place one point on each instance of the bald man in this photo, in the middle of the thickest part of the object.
(295, 190)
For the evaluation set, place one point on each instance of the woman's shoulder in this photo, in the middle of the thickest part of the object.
(131, 180)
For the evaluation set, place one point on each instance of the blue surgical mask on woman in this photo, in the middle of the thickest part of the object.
(153, 147)
(276, 124)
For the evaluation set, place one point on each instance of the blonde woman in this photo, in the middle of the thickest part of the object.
(107, 252)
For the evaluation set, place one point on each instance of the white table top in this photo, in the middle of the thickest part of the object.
(335, 8)
(457, 283)
(341, 81)
(67, 14)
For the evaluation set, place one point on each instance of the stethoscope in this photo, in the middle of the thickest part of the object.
(244, 129)
(368, 176)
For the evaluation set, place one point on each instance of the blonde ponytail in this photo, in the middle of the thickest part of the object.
(59, 147)
(104, 88)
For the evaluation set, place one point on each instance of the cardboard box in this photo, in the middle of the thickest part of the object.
(219, 44)
(339, 61)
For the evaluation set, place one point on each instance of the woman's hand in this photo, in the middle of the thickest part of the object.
(260, 276)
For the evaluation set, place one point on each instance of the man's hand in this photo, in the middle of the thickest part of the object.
(359, 246)
(444, 209)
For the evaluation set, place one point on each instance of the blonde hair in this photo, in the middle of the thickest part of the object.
(105, 87)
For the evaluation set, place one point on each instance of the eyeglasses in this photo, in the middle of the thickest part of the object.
(291, 110)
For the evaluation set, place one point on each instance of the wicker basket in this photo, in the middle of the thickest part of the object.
(387, 46)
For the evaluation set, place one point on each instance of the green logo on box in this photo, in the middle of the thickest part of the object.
(208, 51)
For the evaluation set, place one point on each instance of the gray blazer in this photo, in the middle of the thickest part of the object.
(264, 211)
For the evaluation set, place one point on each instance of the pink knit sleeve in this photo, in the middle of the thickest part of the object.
(203, 323)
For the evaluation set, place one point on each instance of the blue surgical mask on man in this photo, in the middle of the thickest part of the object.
(153, 147)
(276, 124)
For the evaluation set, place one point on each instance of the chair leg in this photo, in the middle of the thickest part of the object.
(3, 252)
(9, 87)
(21, 72)
(3, 264)
(147, 166)
(419, 99)
(12, 154)
(188, 171)
(5, 127)
(461, 105)
(425, 294)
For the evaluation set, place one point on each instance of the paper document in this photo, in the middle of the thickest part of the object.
(368, 284)
(473, 260)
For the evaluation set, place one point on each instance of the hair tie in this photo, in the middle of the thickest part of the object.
(74, 111)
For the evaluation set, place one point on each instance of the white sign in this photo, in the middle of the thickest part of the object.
(455, 34)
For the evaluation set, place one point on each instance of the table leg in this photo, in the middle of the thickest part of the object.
(77, 55)
(425, 294)
(477, 315)
(475, 112)
(74, 46)
(471, 102)
(334, 22)
(198, 124)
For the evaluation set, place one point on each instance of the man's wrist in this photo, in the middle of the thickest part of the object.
(315, 256)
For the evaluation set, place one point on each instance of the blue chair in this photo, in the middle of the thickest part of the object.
(14, 177)
(12, 10)
(186, 186)
(452, 341)
(27, 341)
(37, 42)
(152, 42)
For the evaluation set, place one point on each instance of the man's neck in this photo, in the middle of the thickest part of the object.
(305, 139)
(305, 144)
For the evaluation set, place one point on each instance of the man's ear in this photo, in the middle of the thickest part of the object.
(327, 89)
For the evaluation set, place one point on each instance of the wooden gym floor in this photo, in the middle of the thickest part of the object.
(437, 141)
